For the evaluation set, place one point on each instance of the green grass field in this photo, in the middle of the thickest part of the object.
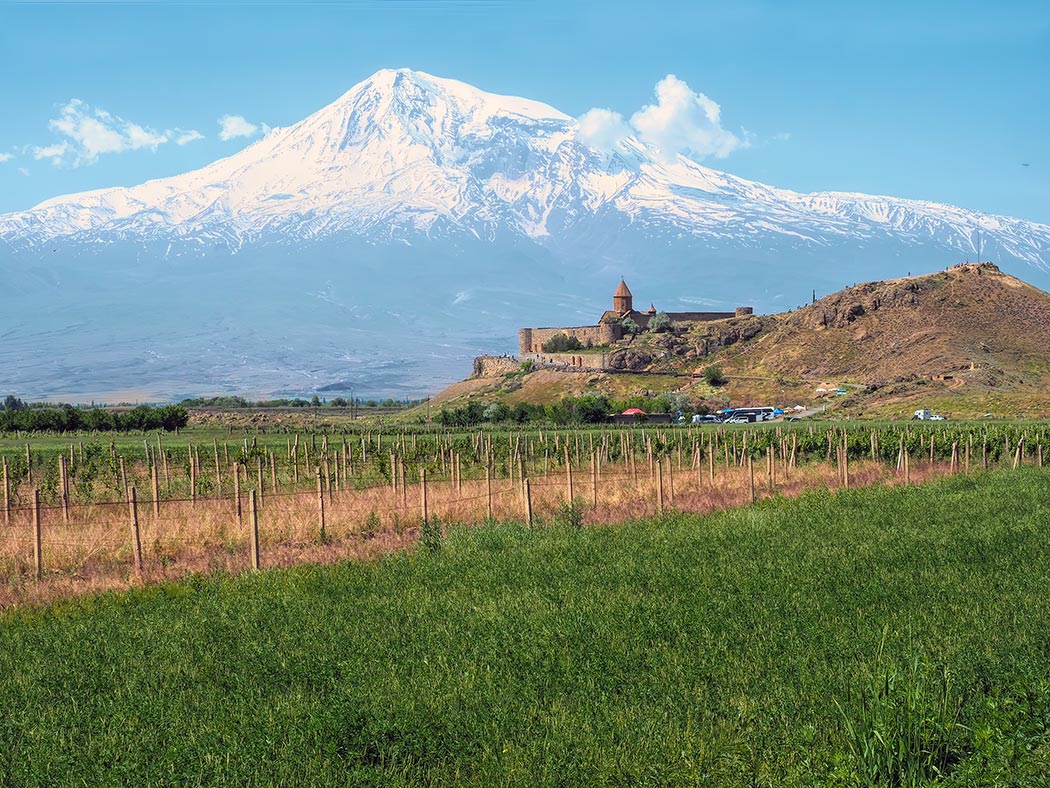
(874, 637)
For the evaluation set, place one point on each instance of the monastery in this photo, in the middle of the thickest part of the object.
(610, 324)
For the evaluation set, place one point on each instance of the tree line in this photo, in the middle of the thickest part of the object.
(19, 416)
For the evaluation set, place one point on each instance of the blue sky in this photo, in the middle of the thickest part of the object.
(945, 101)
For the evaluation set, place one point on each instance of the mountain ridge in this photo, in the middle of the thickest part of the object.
(404, 151)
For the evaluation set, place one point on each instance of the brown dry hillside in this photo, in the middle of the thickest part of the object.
(970, 322)
(966, 340)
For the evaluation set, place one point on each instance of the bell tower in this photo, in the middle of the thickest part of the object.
(623, 301)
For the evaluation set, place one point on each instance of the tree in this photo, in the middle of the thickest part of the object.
(713, 375)
(661, 322)
(629, 326)
(12, 402)
(561, 343)
(497, 411)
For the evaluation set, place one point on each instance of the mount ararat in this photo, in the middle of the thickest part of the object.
(382, 242)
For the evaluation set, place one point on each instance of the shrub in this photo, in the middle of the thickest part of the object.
(561, 343)
(713, 375)
(661, 322)
(629, 326)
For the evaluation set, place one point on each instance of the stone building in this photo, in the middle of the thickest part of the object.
(610, 324)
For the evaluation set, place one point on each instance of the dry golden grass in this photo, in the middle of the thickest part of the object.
(93, 551)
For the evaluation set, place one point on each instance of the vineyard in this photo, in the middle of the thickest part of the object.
(99, 512)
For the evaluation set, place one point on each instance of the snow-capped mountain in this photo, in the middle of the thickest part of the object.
(455, 213)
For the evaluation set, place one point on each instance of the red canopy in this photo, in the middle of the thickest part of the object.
(634, 412)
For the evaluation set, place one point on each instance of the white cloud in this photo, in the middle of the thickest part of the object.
(186, 137)
(603, 129)
(24, 171)
(90, 132)
(682, 121)
(54, 152)
(6, 157)
(233, 126)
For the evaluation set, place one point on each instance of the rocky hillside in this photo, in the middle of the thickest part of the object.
(965, 340)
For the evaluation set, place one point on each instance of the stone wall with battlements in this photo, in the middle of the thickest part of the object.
(530, 340)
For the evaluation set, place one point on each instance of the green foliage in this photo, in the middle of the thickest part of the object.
(774, 645)
(431, 535)
(372, 524)
(661, 322)
(66, 418)
(570, 514)
(629, 326)
(713, 375)
(904, 727)
(497, 411)
(561, 343)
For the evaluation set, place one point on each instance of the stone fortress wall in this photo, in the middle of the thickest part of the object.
(530, 340)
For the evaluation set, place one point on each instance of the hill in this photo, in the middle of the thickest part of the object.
(967, 340)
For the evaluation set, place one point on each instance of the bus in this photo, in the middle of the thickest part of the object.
(747, 415)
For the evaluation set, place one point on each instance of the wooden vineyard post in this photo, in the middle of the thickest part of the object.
(670, 479)
(64, 478)
(568, 473)
(136, 541)
(954, 468)
(164, 459)
(29, 465)
(594, 480)
(193, 482)
(155, 478)
(659, 486)
(328, 478)
(38, 558)
(907, 467)
(273, 473)
(969, 446)
(237, 491)
(711, 461)
(259, 480)
(320, 504)
(984, 455)
(253, 538)
(218, 470)
(751, 477)
(528, 502)
(7, 495)
(423, 494)
(488, 489)
(771, 470)
(845, 466)
(1019, 454)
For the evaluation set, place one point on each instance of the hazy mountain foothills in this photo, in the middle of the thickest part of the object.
(967, 341)
(415, 222)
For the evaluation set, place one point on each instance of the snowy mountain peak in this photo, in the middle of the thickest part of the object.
(405, 154)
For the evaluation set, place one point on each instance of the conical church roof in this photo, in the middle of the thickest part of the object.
(622, 290)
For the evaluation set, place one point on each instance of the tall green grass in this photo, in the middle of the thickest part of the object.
(883, 637)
